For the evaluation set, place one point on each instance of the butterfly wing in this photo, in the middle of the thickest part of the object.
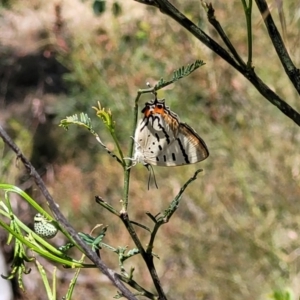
(193, 145)
(157, 146)
(163, 141)
(151, 138)
(186, 148)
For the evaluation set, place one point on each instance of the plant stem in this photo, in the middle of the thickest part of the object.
(147, 257)
(169, 212)
(248, 14)
(167, 8)
(289, 67)
(212, 20)
(136, 286)
(65, 225)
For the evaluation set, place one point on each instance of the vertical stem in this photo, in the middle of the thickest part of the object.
(147, 257)
(128, 166)
(126, 189)
(248, 14)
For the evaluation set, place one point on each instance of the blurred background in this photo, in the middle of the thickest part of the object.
(235, 234)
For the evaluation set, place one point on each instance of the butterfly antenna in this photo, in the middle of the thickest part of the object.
(150, 169)
(154, 178)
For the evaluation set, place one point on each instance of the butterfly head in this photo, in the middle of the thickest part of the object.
(156, 110)
(154, 107)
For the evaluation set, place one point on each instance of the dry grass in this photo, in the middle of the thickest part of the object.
(235, 235)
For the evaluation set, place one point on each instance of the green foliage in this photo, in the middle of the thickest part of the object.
(236, 232)
(283, 295)
(82, 120)
(24, 238)
(51, 293)
(46, 227)
(180, 73)
(95, 243)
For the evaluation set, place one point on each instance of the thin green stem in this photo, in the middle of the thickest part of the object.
(131, 148)
(126, 189)
(248, 14)
(214, 22)
(118, 147)
(14, 189)
(38, 249)
(65, 225)
(54, 283)
(128, 165)
(169, 212)
(73, 281)
(50, 293)
(107, 206)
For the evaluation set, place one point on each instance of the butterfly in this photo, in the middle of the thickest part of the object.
(162, 140)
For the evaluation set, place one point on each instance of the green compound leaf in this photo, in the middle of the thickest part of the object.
(82, 120)
(95, 243)
(180, 73)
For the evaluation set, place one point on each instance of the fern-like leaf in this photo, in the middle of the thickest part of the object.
(179, 73)
(82, 120)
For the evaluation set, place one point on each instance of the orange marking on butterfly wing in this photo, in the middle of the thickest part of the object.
(147, 110)
(170, 118)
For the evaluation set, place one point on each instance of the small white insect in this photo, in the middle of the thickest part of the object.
(162, 140)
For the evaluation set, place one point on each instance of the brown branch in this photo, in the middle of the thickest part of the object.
(167, 8)
(136, 286)
(214, 22)
(63, 221)
(147, 257)
(292, 72)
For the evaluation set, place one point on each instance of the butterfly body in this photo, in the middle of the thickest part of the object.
(162, 140)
